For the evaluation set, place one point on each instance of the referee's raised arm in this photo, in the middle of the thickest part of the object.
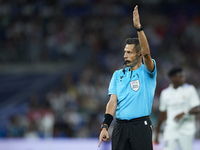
(149, 64)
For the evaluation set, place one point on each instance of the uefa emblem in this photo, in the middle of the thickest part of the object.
(135, 85)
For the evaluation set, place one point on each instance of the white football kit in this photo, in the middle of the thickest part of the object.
(176, 101)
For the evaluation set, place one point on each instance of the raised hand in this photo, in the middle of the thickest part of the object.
(136, 18)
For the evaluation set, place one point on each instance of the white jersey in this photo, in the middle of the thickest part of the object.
(176, 101)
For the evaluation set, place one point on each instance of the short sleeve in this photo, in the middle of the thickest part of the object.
(113, 85)
(162, 106)
(194, 98)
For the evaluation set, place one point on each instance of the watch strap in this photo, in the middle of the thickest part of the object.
(104, 126)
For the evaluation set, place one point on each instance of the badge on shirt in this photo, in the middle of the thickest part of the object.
(135, 85)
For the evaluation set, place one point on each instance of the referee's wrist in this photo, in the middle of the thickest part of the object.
(107, 119)
(104, 126)
(139, 29)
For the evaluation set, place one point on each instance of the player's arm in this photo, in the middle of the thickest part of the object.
(110, 111)
(161, 118)
(194, 110)
(149, 64)
(194, 104)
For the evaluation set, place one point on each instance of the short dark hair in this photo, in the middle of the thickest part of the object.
(174, 71)
(134, 41)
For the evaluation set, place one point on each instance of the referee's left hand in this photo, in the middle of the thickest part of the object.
(104, 136)
(136, 18)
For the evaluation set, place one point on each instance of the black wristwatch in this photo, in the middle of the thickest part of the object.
(104, 126)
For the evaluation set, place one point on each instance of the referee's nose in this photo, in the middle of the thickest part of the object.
(125, 55)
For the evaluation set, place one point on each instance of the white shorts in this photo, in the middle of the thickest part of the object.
(183, 142)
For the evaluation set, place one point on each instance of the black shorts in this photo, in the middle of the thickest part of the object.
(135, 134)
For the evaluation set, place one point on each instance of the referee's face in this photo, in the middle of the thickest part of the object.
(130, 55)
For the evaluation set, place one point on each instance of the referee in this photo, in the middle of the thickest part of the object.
(131, 92)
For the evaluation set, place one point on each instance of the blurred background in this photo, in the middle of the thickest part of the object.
(57, 58)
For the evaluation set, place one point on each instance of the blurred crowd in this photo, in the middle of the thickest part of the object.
(35, 31)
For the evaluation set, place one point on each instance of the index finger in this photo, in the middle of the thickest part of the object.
(100, 140)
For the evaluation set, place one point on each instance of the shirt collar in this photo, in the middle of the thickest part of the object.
(172, 86)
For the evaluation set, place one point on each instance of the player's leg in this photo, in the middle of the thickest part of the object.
(170, 144)
(186, 142)
(120, 137)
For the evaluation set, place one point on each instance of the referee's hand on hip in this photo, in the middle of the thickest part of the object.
(103, 136)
